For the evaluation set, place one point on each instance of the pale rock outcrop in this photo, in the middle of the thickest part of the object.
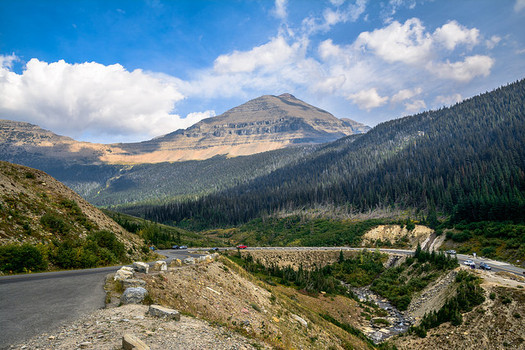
(141, 267)
(123, 273)
(160, 266)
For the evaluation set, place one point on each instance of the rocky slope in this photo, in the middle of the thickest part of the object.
(262, 124)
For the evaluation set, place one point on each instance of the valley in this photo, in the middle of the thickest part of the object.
(279, 174)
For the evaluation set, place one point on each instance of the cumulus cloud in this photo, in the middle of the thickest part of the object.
(407, 42)
(405, 94)
(519, 5)
(452, 34)
(463, 71)
(274, 53)
(89, 98)
(368, 99)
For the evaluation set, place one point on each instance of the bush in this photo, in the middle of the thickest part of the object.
(54, 224)
(21, 258)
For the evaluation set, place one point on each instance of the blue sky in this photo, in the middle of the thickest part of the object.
(121, 71)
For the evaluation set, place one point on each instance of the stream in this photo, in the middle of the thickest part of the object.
(379, 332)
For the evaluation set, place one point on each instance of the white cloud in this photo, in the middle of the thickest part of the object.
(447, 100)
(368, 99)
(492, 42)
(519, 5)
(274, 53)
(463, 71)
(89, 98)
(408, 42)
(331, 84)
(405, 94)
(7, 62)
(452, 34)
(331, 17)
(415, 106)
(280, 9)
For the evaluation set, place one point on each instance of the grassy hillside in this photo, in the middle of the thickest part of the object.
(45, 225)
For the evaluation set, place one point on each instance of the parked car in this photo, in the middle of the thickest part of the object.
(451, 252)
(484, 266)
(470, 263)
(215, 249)
(183, 247)
(175, 247)
(241, 246)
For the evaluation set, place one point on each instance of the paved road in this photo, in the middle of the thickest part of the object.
(36, 303)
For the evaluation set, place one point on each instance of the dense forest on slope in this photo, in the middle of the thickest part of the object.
(467, 160)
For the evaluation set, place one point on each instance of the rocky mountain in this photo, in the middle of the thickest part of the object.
(262, 124)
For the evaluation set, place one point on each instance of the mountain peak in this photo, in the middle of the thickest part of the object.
(287, 96)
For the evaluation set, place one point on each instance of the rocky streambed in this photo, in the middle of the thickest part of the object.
(382, 328)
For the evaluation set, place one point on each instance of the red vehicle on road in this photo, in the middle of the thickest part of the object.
(240, 246)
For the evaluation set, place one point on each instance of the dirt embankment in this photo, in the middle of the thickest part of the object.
(295, 258)
(495, 324)
(399, 235)
(224, 294)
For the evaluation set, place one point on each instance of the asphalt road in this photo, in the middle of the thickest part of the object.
(37, 303)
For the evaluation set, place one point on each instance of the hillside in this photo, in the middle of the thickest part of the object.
(68, 231)
(467, 161)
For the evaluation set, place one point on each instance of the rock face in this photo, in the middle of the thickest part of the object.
(189, 261)
(133, 295)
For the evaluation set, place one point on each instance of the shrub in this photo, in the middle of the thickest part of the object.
(54, 223)
(21, 258)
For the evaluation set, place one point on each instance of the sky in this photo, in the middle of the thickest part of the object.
(128, 70)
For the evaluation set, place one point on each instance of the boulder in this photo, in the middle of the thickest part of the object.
(189, 261)
(140, 267)
(164, 312)
(131, 342)
(160, 266)
(133, 295)
(176, 263)
(133, 282)
(300, 320)
(127, 268)
(123, 274)
(215, 256)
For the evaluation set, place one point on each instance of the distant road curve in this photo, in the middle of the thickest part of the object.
(495, 265)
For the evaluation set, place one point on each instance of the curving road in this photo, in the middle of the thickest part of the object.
(36, 303)
(32, 304)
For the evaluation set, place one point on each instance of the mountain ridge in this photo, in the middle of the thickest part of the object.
(259, 125)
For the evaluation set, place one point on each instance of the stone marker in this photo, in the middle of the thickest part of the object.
(131, 342)
(176, 263)
(164, 312)
(160, 266)
(140, 267)
(189, 261)
(133, 295)
(133, 282)
(123, 274)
